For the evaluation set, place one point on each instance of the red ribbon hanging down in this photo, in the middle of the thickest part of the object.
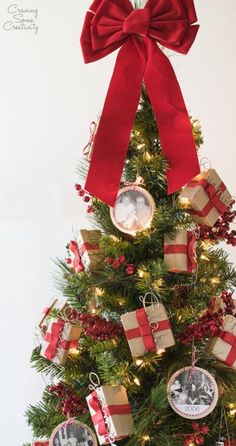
(214, 195)
(229, 338)
(77, 263)
(187, 249)
(145, 331)
(54, 341)
(110, 24)
(98, 418)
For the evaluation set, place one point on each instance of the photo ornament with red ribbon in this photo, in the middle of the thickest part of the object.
(73, 433)
(192, 392)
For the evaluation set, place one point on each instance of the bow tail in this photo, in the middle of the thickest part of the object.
(173, 122)
(113, 133)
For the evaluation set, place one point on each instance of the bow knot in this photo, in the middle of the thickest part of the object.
(138, 22)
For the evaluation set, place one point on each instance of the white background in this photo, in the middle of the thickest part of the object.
(48, 97)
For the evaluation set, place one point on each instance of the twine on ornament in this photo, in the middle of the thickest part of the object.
(139, 181)
(94, 385)
(205, 164)
(193, 361)
(87, 148)
(223, 419)
(154, 301)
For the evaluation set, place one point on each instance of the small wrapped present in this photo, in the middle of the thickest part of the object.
(59, 304)
(85, 253)
(111, 413)
(148, 329)
(223, 346)
(206, 197)
(58, 339)
(180, 252)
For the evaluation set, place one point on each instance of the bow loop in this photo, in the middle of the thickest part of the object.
(138, 22)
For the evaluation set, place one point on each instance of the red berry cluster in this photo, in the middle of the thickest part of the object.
(210, 322)
(69, 403)
(221, 229)
(85, 197)
(97, 327)
(198, 436)
(118, 262)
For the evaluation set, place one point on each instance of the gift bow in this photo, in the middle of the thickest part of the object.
(229, 338)
(98, 418)
(77, 263)
(110, 24)
(146, 331)
(54, 339)
(188, 249)
(215, 197)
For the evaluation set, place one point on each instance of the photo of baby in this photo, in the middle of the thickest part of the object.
(133, 210)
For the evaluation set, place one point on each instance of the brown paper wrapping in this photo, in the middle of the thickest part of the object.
(121, 425)
(178, 262)
(70, 332)
(59, 304)
(198, 198)
(218, 346)
(163, 339)
(90, 258)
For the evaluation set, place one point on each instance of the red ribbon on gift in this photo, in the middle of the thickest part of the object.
(77, 263)
(54, 339)
(187, 249)
(98, 418)
(40, 443)
(214, 195)
(110, 24)
(145, 331)
(86, 246)
(229, 338)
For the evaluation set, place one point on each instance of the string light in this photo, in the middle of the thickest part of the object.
(147, 156)
(114, 238)
(146, 438)
(203, 257)
(99, 291)
(140, 146)
(215, 281)
(136, 381)
(184, 202)
(138, 361)
(141, 273)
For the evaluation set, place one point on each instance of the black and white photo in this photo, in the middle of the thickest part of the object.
(133, 210)
(192, 392)
(72, 433)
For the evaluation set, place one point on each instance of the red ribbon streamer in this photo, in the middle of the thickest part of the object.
(187, 249)
(214, 195)
(145, 331)
(110, 24)
(54, 341)
(229, 338)
(98, 418)
(77, 263)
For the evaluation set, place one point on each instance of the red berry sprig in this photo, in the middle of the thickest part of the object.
(117, 262)
(97, 327)
(69, 403)
(210, 323)
(85, 197)
(221, 230)
(198, 436)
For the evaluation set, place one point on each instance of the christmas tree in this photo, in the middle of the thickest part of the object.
(155, 262)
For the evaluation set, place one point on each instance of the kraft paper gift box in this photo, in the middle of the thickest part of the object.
(111, 413)
(207, 197)
(58, 339)
(148, 329)
(180, 252)
(223, 346)
(89, 248)
(59, 304)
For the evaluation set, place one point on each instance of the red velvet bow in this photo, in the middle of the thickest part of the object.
(53, 339)
(230, 339)
(145, 331)
(214, 195)
(188, 249)
(110, 24)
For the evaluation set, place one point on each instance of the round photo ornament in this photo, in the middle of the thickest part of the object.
(72, 433)
(133, 210)
(192, 392)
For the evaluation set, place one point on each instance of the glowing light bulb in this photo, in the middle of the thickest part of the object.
(215, 281)
(140, 146)
(99, 291)
(184, 202)
(146, 438)
(141, 273)
(203, 257)
(138, 361)
(136, 381)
